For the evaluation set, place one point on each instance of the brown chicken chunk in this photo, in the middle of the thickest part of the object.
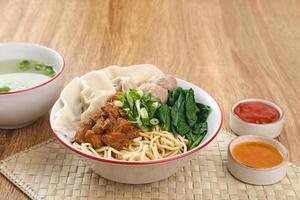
(93, 138)
(107, 127)
(123, 132)
(111, 111)
(80, 134)
(127, 128)
(117, 140)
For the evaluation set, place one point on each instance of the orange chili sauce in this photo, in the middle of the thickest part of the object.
(257, 154)
(256, 112)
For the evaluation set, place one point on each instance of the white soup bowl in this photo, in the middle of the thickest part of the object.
(22, 107)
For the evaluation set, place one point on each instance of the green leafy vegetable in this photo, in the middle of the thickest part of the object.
(204, 112)
(200, 128)
(191, 138)
(178, 116)
(163, 114)
(173, 128)
(197, 141)
(5, 89)
(196, 135)
(46, 69)
(178, 107)
(174, 95)
(191, 107)
(182, 115)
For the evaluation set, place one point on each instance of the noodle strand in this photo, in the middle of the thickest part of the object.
(149, 146)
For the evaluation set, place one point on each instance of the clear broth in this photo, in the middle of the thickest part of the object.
(14, 78)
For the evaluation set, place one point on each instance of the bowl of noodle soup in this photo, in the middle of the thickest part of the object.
(134, 164)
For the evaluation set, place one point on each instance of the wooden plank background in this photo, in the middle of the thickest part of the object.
(232, 49)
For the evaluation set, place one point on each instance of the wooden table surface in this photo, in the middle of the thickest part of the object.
(232, 49)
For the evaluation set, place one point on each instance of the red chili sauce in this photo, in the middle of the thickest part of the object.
(256, 112)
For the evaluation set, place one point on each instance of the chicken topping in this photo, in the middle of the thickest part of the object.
(108, 127)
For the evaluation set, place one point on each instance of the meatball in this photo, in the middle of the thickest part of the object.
(166, 81)
(155, 90)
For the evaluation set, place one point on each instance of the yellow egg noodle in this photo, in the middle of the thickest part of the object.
(148, 146)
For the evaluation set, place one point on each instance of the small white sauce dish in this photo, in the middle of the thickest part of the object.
(257, 176)
(22, 107)
(241, 127)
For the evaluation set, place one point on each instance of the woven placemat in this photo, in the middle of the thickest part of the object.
(50, 171)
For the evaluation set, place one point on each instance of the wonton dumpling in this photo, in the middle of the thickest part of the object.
(96, 103)
(137, 73)
(70, 114)
(97, 89)
(97, 80)
(112, 71)
(94, 83)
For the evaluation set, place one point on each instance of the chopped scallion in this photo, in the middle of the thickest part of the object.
(144, 113)
(26, 65)
(154, 121)
(5, 89)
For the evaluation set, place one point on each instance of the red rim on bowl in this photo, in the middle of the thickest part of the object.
(45, 83)
(177, 157)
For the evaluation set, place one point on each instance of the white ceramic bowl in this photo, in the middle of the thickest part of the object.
(22, 107)
(257, 176)
(147, 171)
(241, 127)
